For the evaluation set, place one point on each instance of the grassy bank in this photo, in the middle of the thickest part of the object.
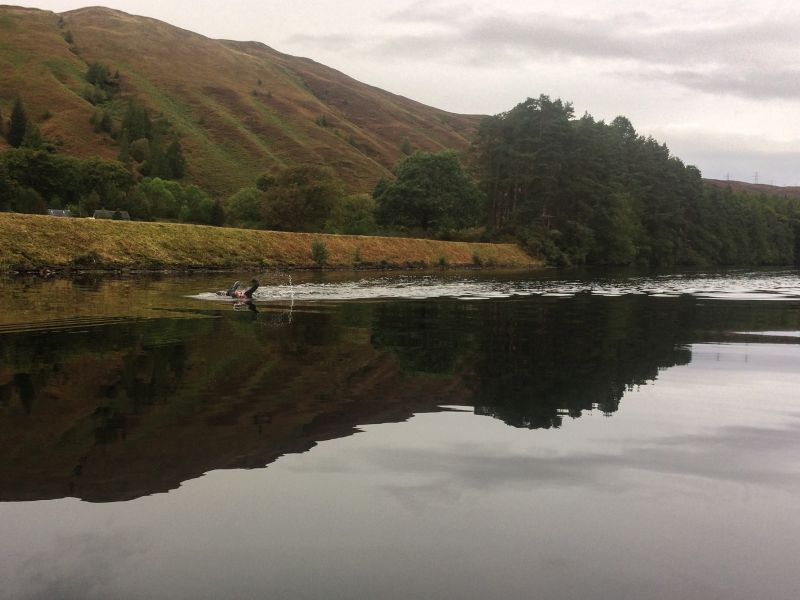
(29, 242)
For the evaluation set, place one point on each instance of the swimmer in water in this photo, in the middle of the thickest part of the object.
(235, 292)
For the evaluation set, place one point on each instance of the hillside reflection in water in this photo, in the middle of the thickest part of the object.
(159, 389)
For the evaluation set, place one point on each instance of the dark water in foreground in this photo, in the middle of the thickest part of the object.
(402, 437)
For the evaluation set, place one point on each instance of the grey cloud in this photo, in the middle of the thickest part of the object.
(744, 81)
(750, 83)
(606, 38)
(428, 13)
(756, 59)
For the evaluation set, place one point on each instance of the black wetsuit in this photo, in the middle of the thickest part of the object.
(233, 291)
(251, 290)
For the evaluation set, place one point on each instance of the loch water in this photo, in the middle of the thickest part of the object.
(397, 436)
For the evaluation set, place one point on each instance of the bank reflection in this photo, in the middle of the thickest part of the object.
(134, 408)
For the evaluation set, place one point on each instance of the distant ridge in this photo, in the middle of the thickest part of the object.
(756, 188)
(240, 108)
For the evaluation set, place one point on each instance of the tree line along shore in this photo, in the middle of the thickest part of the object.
(31, 243)
(567, 190)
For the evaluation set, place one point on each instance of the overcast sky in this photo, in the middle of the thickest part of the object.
(718, 80)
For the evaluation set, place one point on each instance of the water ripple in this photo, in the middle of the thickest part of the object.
(63, 324)
(782, 285)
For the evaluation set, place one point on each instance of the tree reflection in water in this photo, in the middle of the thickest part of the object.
(136, 407)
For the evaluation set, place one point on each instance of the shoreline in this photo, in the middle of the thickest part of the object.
(45, 245)
(47, 271)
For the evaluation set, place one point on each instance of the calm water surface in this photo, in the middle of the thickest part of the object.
(402, 436)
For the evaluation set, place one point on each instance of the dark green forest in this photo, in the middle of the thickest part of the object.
(572, 190)
(580, 191)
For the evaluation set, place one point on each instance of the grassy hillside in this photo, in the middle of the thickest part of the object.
(36, 64)
(36, 241)
(241, 108)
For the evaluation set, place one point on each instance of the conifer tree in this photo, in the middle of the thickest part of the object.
(18, 124)
(156, 164)
(124, 147)
(33, 138)
(106, 123)
(176, 164)
(137, 122)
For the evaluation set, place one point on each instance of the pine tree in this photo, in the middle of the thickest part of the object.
(33, 138)
(176, 164)
(18, 124)
(106, 123)
(95, 122)
(156, 164)
(124, 148)
(137, 122)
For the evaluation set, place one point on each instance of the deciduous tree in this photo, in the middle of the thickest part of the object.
(244, 207)
(301, 199)
(431, 193)
(353, 215)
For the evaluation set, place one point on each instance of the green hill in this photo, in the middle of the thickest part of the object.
(240, 108)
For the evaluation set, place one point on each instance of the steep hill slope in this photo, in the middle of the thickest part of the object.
(240, 108)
